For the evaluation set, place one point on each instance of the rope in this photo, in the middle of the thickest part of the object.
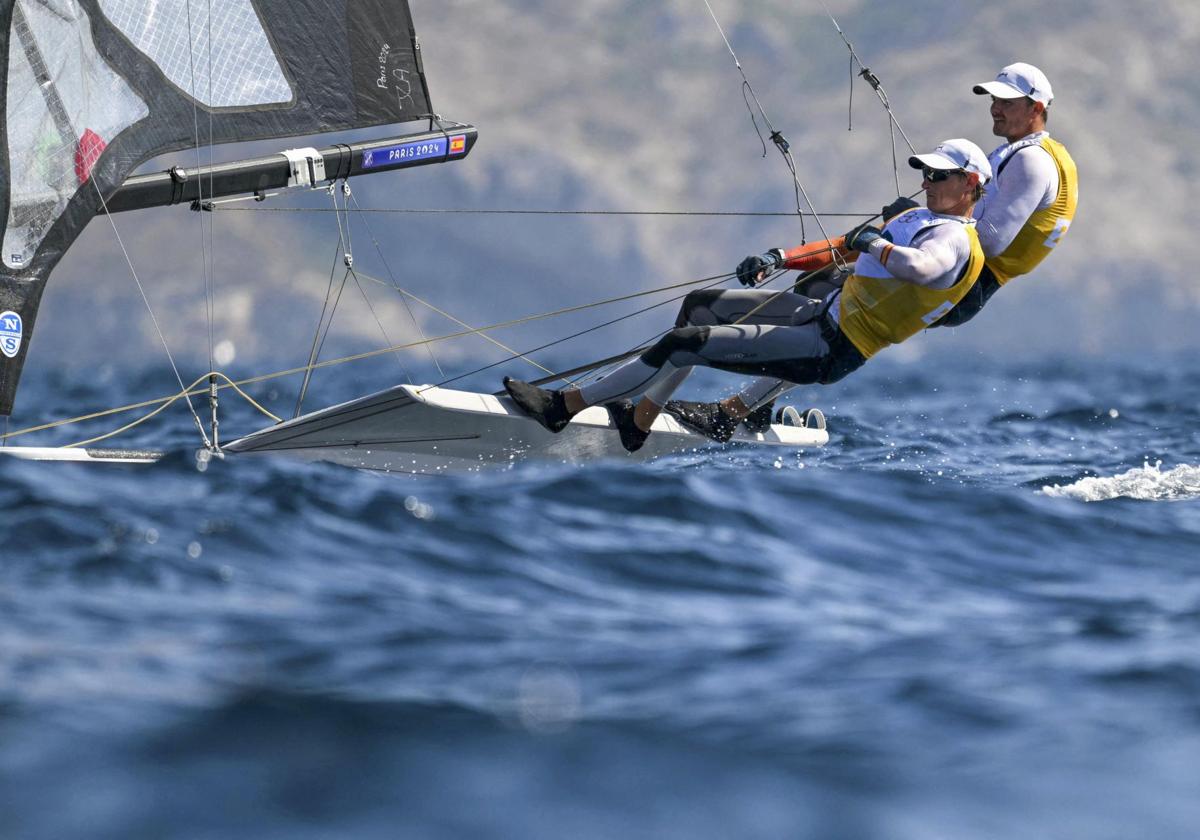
(407, 294)
(318, 341)
(877, 86)
(153, 319)
(387, 267)
(721, 279)
(777, 138)
(168, 402)
(358, 357)
(468, 211)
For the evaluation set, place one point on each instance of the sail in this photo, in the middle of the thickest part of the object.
(90, 89)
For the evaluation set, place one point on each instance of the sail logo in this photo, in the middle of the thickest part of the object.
(403, 153)
(10, 334)
(382, 80)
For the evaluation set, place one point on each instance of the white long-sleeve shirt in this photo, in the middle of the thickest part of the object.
(935, 261)
(1025, 184)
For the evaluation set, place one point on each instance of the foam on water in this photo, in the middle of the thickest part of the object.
(1146, 483)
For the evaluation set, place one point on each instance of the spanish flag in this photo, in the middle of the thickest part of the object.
(458, 144)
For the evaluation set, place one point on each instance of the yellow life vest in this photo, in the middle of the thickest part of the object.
(878, 311)
(1045, 227)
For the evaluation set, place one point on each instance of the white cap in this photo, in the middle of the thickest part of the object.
(1016, 80)
(955, 154)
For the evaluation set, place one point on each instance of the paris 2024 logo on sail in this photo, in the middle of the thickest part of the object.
(10, 334)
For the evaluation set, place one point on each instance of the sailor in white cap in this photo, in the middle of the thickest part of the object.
(1030, 203)
(906, 276)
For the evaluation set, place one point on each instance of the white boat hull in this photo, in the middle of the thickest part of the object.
(80, 455)
(430, 430)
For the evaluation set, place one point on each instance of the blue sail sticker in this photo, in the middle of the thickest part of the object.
(404, 153)
(10, 334)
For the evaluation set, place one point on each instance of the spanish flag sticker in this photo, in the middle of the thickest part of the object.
(458, 144)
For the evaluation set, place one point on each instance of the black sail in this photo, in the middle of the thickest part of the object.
(93, 88)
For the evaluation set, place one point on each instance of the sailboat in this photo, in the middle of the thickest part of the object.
(92, 89)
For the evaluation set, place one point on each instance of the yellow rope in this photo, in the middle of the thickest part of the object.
(169, 401)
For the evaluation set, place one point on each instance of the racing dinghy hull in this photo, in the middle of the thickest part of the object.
(428, 430)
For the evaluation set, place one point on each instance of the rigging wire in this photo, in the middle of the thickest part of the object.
(748, 94)
(146, 300)
(468, 211)
(387, 267)
(206, 252)
(168, 402)
(368, 354)
(319, 339)
(777, 138)
(873, 80)
(405, 294)
(348, 257)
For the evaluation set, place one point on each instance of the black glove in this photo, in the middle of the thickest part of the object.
(860, 238)
(897, 207)
(749, 268)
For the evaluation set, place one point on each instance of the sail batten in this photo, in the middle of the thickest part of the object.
(93, 88)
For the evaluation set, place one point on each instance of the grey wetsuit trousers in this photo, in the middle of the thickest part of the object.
(773, 335)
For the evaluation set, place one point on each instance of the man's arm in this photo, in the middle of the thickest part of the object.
(931, 263)
(1029, 182)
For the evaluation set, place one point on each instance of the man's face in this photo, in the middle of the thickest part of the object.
(1014, 118)
(948, 191)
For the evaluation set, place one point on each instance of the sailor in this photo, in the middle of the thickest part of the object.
(1028, 207)
(906, 276)
(1023, 215)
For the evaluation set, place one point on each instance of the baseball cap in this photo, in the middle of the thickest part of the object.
(1016, 80)
(955, 154)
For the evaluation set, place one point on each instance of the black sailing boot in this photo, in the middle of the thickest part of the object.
(709, 419)
(547, 407)
(759, 420)
(622, 413)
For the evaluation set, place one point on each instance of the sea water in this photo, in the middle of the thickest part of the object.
(974, 614)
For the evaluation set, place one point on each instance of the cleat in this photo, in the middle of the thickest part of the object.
(759, 420)
(545, 406)
(621, 413)
(709, 419)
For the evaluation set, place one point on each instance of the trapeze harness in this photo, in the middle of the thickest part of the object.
(1036, 238)
(790, 337)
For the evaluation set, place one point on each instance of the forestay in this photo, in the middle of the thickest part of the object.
(93, 88)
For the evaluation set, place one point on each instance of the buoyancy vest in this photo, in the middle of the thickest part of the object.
(877, 309)
(1046, 227)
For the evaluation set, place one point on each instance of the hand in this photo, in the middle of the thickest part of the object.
(860, 238)
(752, 269)
(897, 207)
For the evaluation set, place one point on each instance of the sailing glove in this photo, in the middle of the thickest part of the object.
(897, 207)
(860, 238)
(749, 268)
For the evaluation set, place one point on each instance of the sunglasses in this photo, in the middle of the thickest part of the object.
(933, 176)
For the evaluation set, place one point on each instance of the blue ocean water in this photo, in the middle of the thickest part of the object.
(975, 614)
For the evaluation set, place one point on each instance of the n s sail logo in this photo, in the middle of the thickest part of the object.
(10, 334)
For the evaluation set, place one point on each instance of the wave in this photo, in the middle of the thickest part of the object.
(1147, 483)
